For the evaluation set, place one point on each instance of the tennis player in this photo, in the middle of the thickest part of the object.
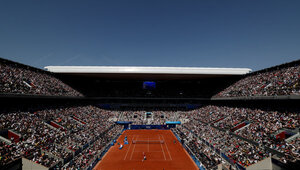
(144, 158)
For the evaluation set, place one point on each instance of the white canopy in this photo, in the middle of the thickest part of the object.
(147, 70)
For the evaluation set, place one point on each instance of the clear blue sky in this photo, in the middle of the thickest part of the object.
(199, 33)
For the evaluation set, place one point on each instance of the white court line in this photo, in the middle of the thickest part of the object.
(167, 148)
(144, 151)
(133, 148)
(129, 148)
(151, 160)
(162, 149)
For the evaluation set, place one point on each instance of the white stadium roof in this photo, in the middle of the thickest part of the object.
(146, 70)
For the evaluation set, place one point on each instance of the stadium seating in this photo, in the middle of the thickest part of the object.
(207, 156)
(21, 79)
(263, 125)
(40, 138)
(74, 136)
(280, 80)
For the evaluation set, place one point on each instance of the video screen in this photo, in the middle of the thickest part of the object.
(149, 85)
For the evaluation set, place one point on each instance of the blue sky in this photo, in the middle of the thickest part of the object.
(199, 33)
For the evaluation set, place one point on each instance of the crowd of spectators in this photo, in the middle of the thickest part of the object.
(281, 81)
(153, 117)
(238, 150)
(262, 125)
(52, 134)
(134, 116)
(8, 153)
(86, 158)
(19, 79)
(206, 155)
(82, 125)
(45, 144)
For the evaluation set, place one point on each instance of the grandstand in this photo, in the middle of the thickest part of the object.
(79, 117)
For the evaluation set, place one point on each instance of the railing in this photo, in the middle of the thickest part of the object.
(99, 156)
(81, 149)
(245, 139)
(228, 160)
(194, 157)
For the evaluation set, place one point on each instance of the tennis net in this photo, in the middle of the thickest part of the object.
(147, 141)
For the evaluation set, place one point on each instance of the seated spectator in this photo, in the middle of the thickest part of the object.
(19, 79)
(280, 81)
(39, 137)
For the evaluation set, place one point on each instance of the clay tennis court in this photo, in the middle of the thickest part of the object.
(158, 146)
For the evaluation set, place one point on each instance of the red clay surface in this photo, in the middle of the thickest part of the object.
(165, 156)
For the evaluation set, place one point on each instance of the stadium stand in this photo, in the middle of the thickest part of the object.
(203, 127)
(63, 134)
(50, 135)
(22, 79)
(262, 126)
(275, 81)
(148, 116)
(205, 154)
(86, 157)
